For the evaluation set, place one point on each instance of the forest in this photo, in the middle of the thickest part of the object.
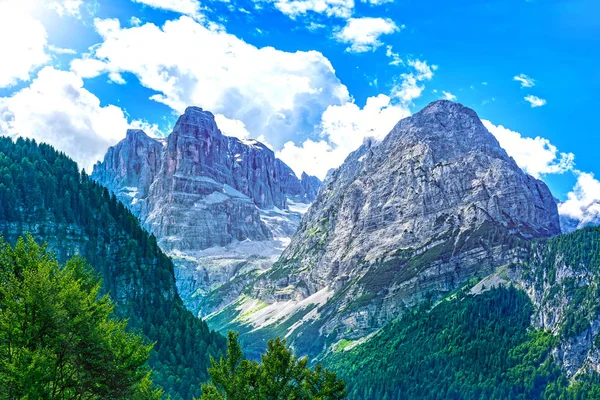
(43, 193)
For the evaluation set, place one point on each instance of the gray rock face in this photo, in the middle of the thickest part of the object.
(130, 167)
(436, 172)
(198, 189)
(431, 206)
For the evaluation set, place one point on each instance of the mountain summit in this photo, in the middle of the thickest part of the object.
(433, 204)
(198, 189)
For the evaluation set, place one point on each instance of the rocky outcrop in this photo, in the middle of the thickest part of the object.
(429, 207)
(198, 189)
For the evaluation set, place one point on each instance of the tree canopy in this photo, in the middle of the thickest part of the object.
(58, 336)
(279, 376)
(43, 192)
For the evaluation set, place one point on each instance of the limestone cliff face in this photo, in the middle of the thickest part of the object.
(437, 173)
(429, 207)
(198, 189)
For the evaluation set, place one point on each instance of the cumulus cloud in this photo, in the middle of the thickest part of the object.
(362, 34)
(409, 88)
(281, 97)
(232, 127)
(22, 45)
(536, 156)
(187, 7)
(70, 8)
(526, 81)
(331, 8)
(58, 110)
(344, 128)
(583, 202)
(535, 101)
(448, 96)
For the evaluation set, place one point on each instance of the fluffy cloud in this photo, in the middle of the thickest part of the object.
(535, 101)
(70, 8)
(409, 88)
(187, 7)
(448, 96)
(56, 109)
(331, 8)
(22, 45)
(344, 128)
(363, 33)
(526, 81)
(536, 156)
(583, 202)
(232, 127)
(281, 97)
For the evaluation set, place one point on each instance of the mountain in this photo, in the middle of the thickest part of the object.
(534, 335)
(43, 193)
(218, 205)
(434, 204)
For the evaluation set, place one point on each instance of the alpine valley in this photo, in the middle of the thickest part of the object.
(427, 266)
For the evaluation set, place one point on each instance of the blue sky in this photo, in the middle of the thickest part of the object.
(311, 78)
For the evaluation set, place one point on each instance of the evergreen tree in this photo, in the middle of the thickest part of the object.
(280, 376)
(75, 215)
(58, 339)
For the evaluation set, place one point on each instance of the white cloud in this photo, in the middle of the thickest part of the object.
(363, 33)
(70, 8)
(526, 81)
(409, 89)
(23, 41)
(58, 110)
(344, 128)
(583, 202)
(60, 50)
(448, 96)
(396, 60)
(331, 8)
(281, 97)
(377, 2)
(536, 156)
(135, 21)
(187, 7)
(150, 129)
(535, 101)
(232, 127)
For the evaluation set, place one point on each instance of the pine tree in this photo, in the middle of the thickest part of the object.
(280, 376)
(58, 339)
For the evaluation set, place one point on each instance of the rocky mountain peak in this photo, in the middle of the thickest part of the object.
(136, 135)
(196, 122)
(447, 129)
(430, 206)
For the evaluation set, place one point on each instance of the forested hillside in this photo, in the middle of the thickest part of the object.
(468, 347)
(42, 192)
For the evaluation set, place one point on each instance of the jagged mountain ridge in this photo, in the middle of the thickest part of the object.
(435, 203)
(218, 205)
(196, 159)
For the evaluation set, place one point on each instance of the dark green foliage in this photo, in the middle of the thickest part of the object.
(279, 376)
(57, 339)
(42, 192)
(470, 347)
(578, 254)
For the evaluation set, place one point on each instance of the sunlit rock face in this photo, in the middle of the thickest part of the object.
(433, 204)
(198, 189)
